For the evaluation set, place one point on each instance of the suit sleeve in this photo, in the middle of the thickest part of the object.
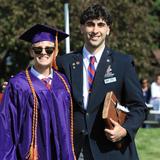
(133, 99)
(63, 63)
(60, 64)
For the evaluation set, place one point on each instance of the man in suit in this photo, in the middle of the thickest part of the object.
(110, 71)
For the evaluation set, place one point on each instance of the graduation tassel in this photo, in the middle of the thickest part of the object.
(33, 150)
(33, 153)
(55, 53)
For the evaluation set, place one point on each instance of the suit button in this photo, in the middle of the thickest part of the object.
(84, 132)
(87, 114)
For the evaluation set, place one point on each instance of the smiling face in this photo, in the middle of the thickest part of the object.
(43, 53)
(95, 32)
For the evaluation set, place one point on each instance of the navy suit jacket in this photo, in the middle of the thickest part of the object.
(115, 72)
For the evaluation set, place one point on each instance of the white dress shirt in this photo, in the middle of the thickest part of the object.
(86, 60)
(155, 96)
(41, 76)
(155, 90)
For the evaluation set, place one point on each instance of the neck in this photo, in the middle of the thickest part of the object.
(94, 49)
(46, 71)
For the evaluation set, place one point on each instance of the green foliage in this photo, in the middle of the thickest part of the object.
(148, 143)
(15, 17)
(135, 29)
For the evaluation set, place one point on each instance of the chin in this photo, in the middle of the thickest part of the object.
(45, 65)
(95, 45)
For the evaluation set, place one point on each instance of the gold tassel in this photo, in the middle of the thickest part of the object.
(33, 153)
(55, 53)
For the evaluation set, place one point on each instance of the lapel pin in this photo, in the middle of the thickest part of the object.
(109, 72)
(108, 60)
(77, 62)
(73, 65)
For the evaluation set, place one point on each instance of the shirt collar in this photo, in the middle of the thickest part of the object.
(41, 76)
(87, 54)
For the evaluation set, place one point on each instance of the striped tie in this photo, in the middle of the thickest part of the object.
(91, 72)
(46, 82)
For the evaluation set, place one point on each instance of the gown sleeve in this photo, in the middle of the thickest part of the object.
(10, 121)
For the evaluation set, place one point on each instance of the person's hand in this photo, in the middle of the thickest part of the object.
(4, 85)
(115, 134)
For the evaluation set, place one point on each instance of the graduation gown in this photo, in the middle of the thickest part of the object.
(16, 110)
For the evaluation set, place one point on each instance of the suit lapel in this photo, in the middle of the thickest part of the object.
(76, 68)
(99, 87)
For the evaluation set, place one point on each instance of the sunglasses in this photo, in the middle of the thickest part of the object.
(38, 50)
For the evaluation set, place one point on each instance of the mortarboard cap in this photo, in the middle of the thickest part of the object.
(38, 33)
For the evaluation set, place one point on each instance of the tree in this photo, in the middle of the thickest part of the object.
(135, 29)
(15, 17)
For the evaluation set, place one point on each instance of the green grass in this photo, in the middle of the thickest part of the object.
(148, 143)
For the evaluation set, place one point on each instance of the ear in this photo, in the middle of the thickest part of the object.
(31, 53)
(108, 31)
(82, 29)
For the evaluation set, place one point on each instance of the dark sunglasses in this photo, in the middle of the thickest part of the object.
(38, 50)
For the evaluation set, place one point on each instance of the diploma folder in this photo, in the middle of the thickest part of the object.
(110, 110)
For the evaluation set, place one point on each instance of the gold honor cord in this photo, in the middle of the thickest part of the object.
(68, 90)
(71, 105)
(33, 150)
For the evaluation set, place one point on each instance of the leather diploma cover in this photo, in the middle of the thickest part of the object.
(110, 111)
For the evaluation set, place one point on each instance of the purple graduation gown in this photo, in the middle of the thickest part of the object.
(53, 134)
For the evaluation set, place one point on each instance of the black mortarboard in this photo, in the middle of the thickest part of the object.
(40, 32)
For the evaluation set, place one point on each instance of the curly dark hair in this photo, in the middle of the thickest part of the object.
(96, 11)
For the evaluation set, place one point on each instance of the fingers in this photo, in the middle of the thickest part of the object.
(109, 134)
(109, 131)
(114, 122)
(115, 134)
(4, 84)
(112, 135)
